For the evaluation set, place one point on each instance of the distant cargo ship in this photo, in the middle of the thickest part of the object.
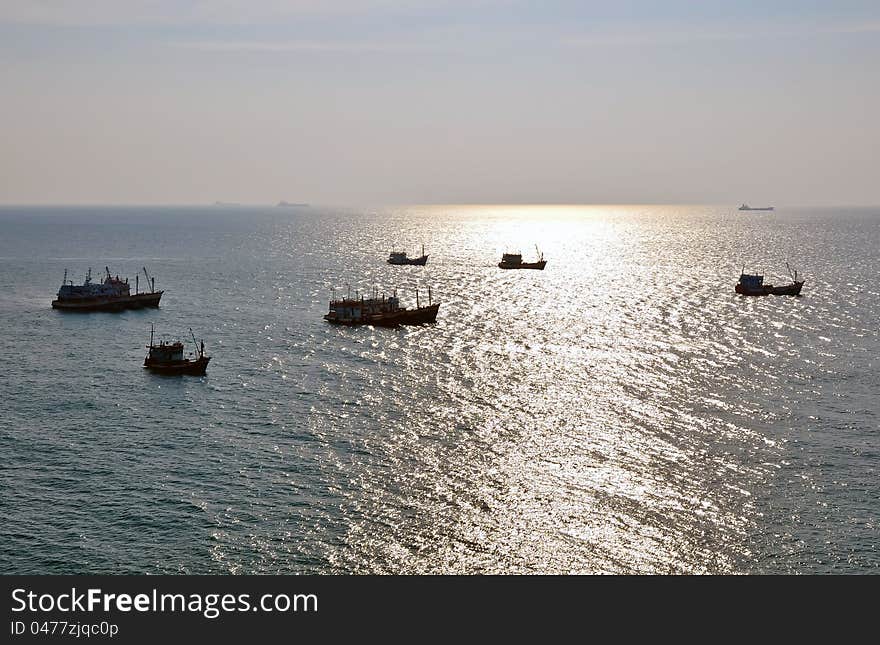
(746, 207)
(112, 294)
(289, 204)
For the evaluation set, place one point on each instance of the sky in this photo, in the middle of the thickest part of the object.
(359, 102)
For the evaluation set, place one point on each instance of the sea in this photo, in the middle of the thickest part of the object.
(623, 411)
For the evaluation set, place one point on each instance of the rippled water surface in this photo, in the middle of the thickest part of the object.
(623, 411)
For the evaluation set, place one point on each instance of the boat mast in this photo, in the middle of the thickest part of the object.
(150, 280)
(195, 342)
(151, 335)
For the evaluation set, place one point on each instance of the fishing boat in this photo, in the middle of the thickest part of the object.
(514, 261)
(400, 257)
(753, 285)
(167, 357)
(111, 294)
(746, 207)
(379, 311)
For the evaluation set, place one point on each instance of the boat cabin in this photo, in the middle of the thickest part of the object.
(511, 258)
(751, 281)
(166, 352)
(109, 288)
(351, 309)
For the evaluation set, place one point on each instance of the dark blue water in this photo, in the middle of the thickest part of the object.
(622, 411)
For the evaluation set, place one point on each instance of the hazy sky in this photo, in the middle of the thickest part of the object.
(426, 101)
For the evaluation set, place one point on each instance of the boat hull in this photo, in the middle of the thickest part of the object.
(175, 368)
(420, 316)
(120, 303)
(412, 261)
(793, 289)
(523, 265)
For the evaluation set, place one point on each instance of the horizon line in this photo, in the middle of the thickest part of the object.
(221, 204)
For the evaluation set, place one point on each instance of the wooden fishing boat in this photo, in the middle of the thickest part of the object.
(167, 358)
(400, 258)
(753, 285)
(112, 294)
(514, 261)
(380, 311)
